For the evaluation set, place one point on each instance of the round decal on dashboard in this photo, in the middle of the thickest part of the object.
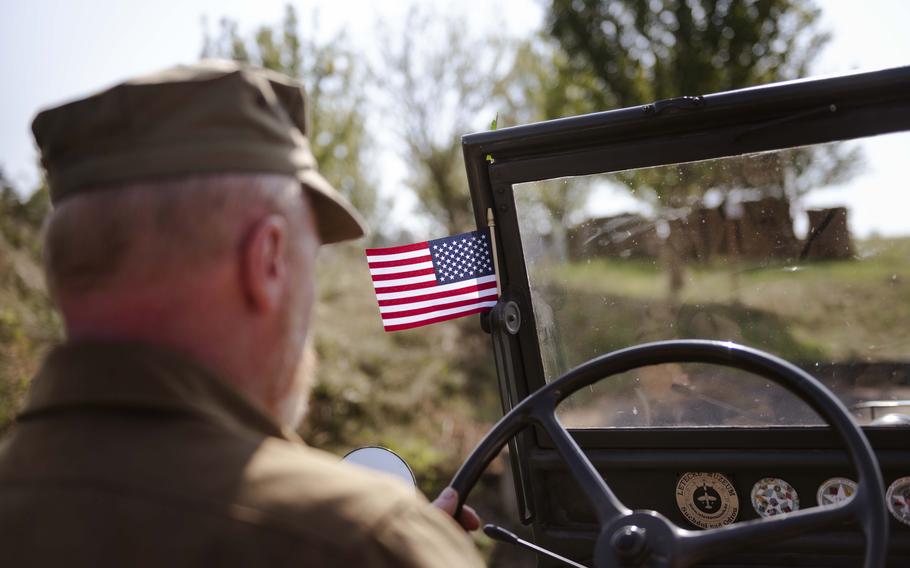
(773, 496)
(707, 500)
(835, 490)
(898, 499)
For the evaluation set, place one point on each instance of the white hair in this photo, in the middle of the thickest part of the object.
(145, 229)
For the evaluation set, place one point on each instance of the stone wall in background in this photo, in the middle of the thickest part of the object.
(753, 230)
(829, 234)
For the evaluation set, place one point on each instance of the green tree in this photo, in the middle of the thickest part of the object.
(541, 86)
(21, 220)
(637, 52)
(433, 88)
(627, 52)
(334, 84)
(28, 324)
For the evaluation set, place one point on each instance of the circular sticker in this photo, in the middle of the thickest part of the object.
(898, 499)
(773, 496)
(707, 500)
(835, 490)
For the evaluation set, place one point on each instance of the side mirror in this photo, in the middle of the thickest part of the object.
(384, 461)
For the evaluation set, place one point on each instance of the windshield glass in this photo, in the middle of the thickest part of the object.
(803, 252)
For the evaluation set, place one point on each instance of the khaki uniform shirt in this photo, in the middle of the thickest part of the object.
(127, 456)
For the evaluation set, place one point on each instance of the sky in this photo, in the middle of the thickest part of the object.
(52, 51)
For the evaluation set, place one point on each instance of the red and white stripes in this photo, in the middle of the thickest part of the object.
(410, 296)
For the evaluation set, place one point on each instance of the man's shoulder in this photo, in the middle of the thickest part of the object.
(309, 491)
(296, 481)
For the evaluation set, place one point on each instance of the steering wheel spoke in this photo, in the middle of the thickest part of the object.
(638, 537)
(694, 546)
(606, 505)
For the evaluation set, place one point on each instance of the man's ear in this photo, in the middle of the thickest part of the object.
(264, 264)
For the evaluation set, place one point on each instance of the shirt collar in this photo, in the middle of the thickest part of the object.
(123, 375)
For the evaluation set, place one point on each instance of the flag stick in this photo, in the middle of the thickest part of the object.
(491, 222)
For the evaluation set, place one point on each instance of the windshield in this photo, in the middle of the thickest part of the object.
(803, 252)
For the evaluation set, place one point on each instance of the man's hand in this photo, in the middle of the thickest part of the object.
(448, 500)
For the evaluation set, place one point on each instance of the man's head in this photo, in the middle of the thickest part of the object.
(188, 213)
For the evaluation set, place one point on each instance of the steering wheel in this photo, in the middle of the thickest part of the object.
(646, 537)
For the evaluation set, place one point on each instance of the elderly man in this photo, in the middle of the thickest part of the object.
(181, 250)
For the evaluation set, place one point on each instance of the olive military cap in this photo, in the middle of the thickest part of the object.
(211, 117)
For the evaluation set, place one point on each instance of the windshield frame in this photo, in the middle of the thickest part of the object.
(757, 119)
(770, 117)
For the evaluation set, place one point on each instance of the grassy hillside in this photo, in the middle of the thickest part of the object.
(428, 392)
(832, 310)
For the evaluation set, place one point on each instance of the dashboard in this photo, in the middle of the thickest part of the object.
(669, 471)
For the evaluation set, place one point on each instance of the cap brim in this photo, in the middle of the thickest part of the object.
(336, 218)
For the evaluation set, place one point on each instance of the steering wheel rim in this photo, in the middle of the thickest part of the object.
(657, 538)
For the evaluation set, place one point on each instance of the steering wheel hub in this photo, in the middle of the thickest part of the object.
(630, 543)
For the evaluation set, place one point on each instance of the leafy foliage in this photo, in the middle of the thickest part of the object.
(541, 86)
(28, 324)
(637, 52)
(434, 89)
(627, 52)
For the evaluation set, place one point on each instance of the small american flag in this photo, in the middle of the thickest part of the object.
(433, 281)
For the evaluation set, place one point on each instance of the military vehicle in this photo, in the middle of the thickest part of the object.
(703, 335)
